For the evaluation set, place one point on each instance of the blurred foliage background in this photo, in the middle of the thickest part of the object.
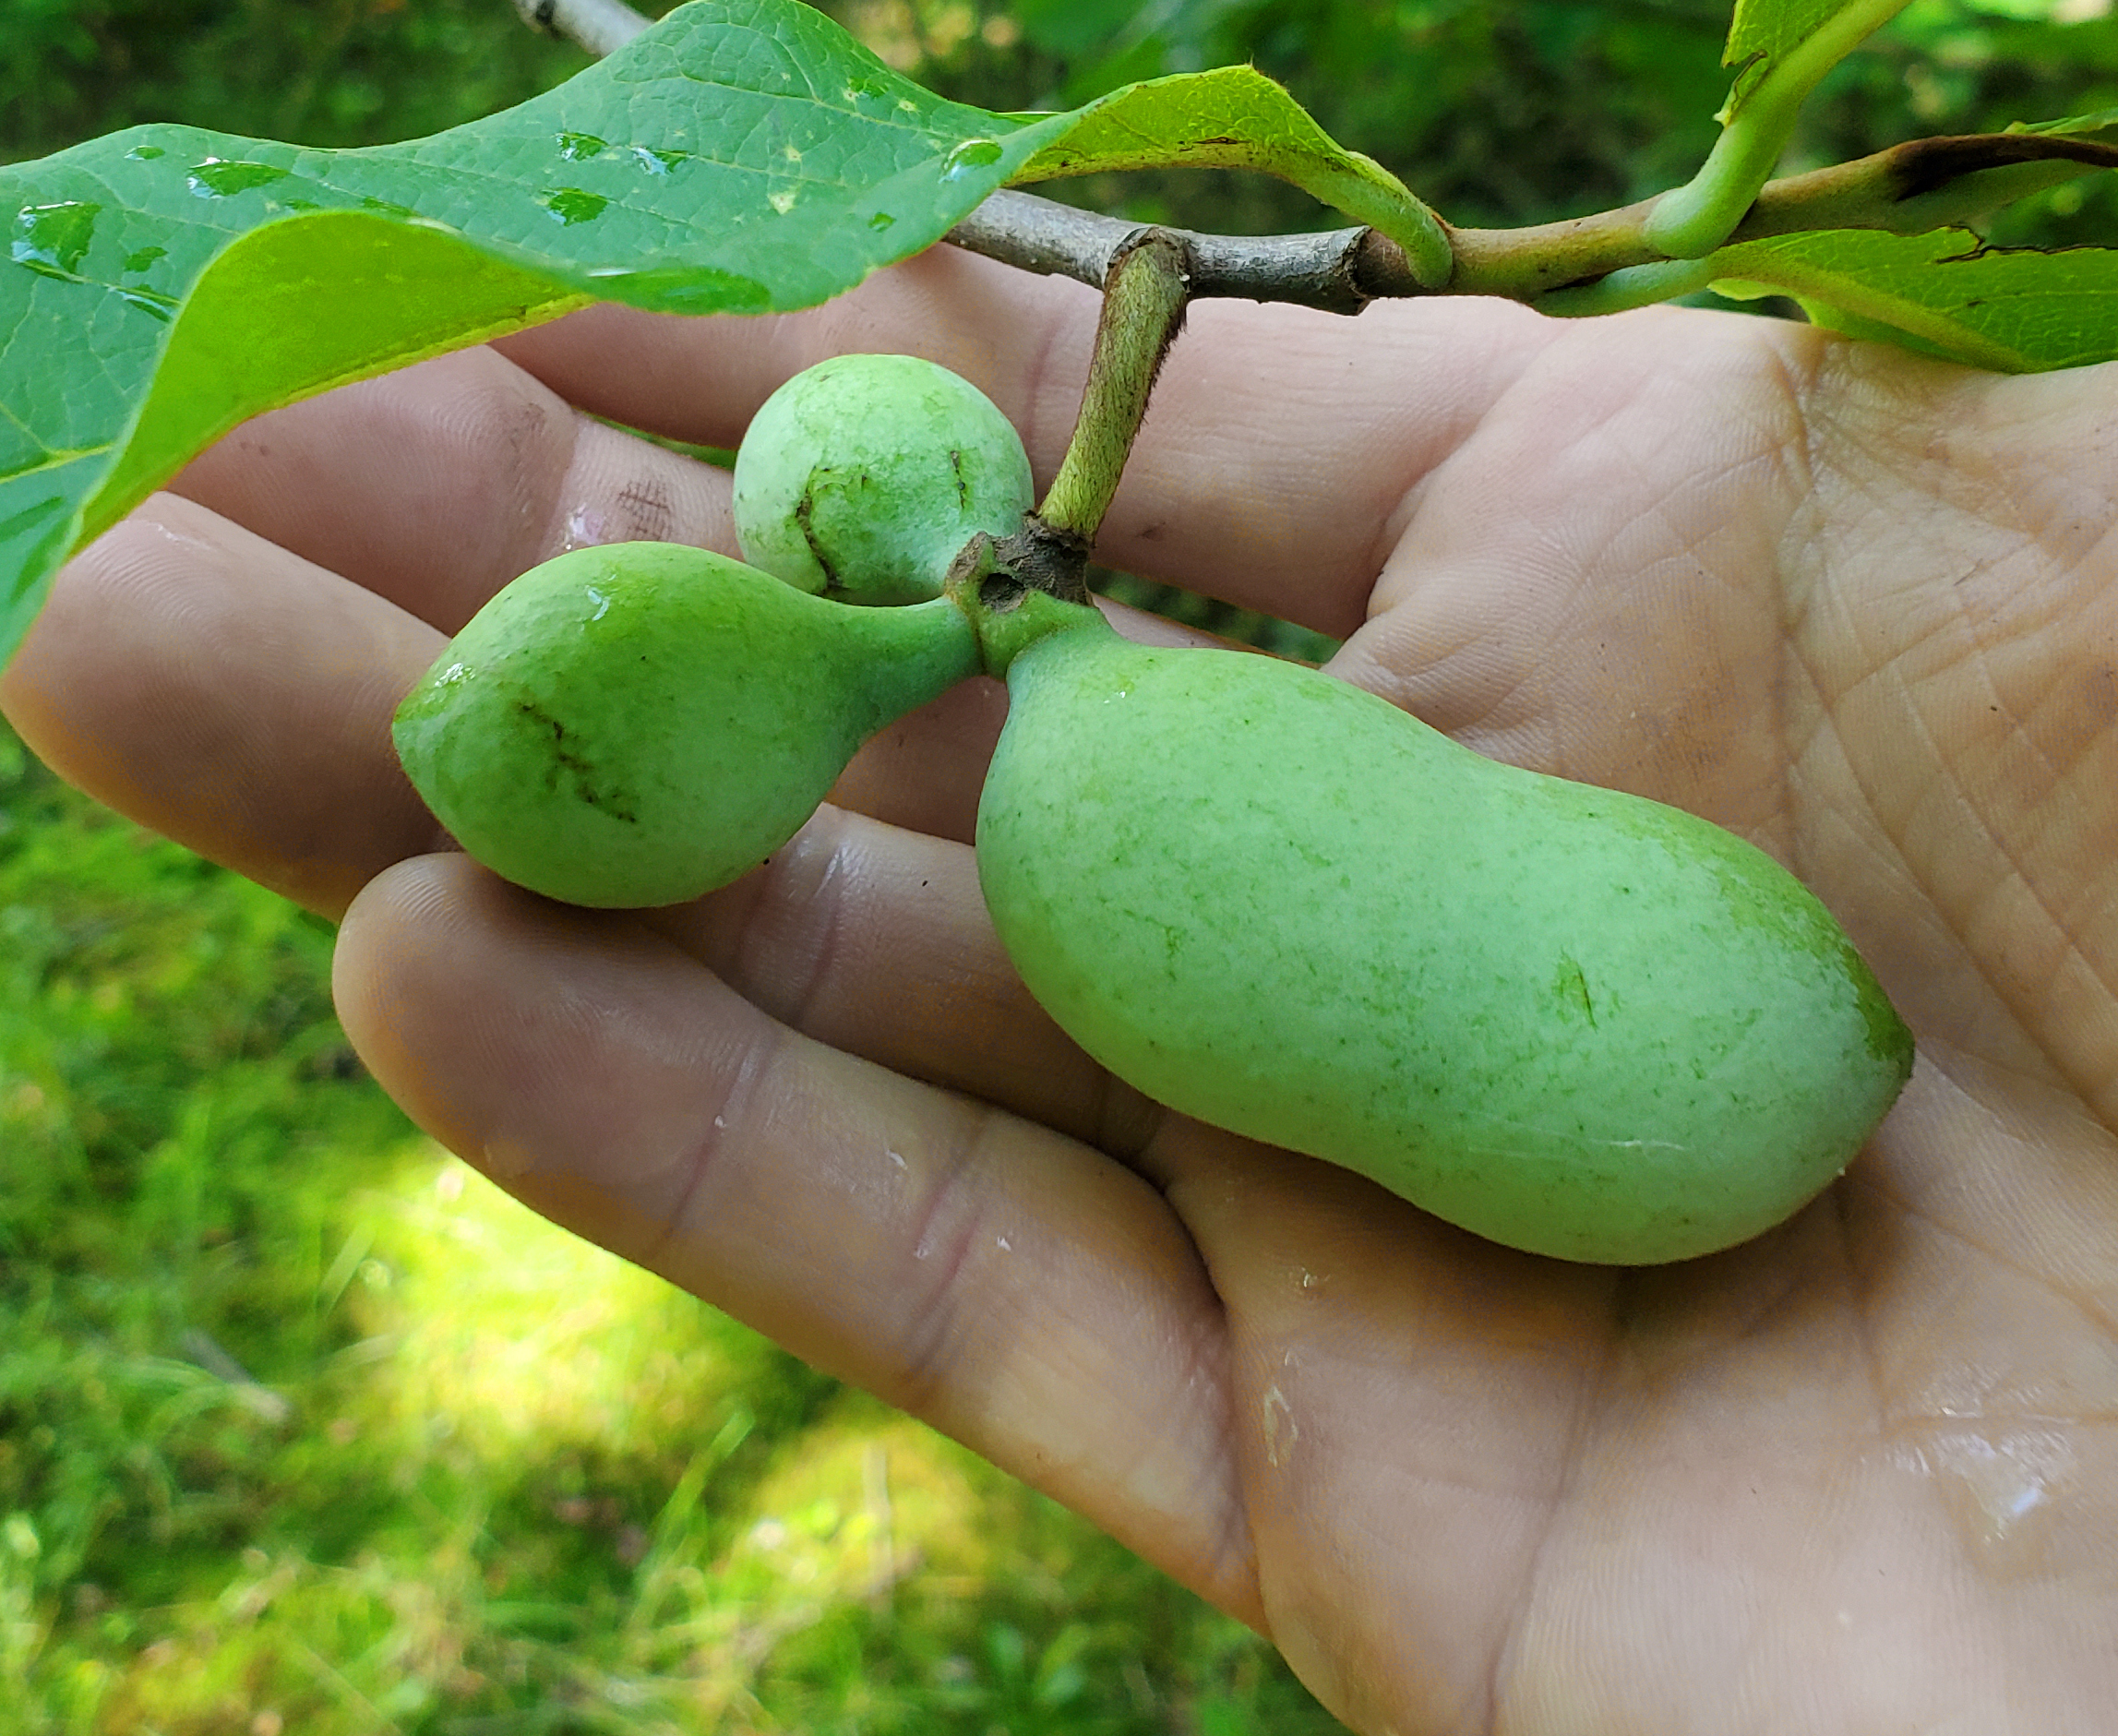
(302, 1427)
(1494, 111)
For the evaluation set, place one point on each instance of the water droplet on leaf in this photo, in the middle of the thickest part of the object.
(970, 156)
(570, 205)
(881, 220)
(217, 179)
(163, 307)
(688, 289)
(580, 147)
(52, 238)
(145, 154)
(659, 162)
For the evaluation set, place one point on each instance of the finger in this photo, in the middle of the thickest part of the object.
(1015, 1290)
(231, 696)
(1279, 446)
(436, 484)
(237, 698)
(215, 687)
(875, 941)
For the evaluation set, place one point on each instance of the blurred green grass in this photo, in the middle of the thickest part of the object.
(303, 1426)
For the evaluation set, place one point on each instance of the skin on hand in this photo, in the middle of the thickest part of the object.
(1861, 1475)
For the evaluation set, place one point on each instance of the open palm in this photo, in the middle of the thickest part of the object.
(1861, 1475)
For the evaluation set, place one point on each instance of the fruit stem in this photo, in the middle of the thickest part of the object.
(1145, 293)
(1006, 610)
(900, 656)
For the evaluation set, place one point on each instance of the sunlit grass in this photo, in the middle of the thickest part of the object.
(306, 1428)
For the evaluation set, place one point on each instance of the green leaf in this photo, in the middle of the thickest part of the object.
(2012, 310)
(1777, 38)
(1235, 117)
(165, 283)
(274, 312)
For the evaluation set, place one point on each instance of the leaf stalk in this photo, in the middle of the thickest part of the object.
(1690, 221)
(1144, 295)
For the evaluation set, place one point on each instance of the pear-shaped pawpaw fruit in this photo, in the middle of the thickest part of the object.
(1572, 1021)
(638, 723)
(861, 477)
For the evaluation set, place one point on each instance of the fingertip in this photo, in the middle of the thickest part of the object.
(397, 919)
(520, 1033)
(229, 695)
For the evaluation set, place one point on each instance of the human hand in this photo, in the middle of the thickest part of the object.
(1859, 1474)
